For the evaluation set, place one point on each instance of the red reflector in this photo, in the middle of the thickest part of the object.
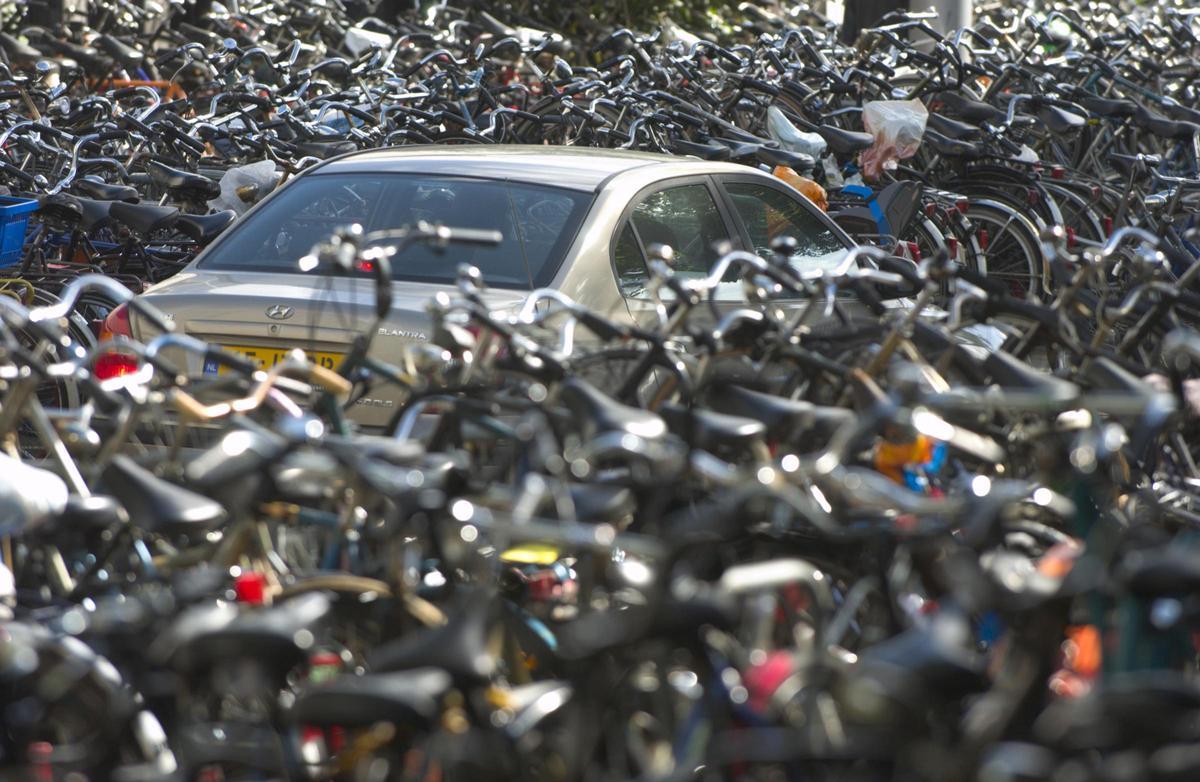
(982, 236)
(1058, 172)
(1070, 237)
(1108, 225)
(952, 247)
(251, 588)
(914, 251)
(366, 266)
(963, 204)
(1031, 196)
(930, 209)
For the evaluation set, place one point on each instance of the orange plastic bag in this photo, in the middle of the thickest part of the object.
(811, 190)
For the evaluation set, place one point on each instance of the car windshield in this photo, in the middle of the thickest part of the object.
(538, 224)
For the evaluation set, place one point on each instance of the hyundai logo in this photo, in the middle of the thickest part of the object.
(279, 312)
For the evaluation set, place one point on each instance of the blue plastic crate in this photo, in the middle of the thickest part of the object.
(14, 218)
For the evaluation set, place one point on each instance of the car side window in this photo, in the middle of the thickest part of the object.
(686, 218)
(769, 213)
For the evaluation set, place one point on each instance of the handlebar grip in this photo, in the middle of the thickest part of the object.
(12, 170)
(53, 131)
(10, 95)
(124, 92)
(365, 116)
(185, 139)
(475, 236)
(166, 57)
(111, 135)
(135, 123)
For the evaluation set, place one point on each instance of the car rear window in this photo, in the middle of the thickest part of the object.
(538, 224)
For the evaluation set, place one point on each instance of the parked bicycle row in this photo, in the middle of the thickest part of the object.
(750, 541)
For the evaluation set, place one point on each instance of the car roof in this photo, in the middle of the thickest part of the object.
(577, 168)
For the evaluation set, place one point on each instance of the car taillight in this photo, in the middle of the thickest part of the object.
(115, 363)
(117, 324)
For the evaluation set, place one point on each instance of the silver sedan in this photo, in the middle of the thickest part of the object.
(578, 220)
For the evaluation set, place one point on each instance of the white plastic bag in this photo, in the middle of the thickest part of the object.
(358, 40)
(897, 126)
(791, 138)
(261, 176)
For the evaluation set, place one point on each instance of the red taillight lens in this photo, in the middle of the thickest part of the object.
(914, 251)
(930, 209)
(115, 364)
(982, 237)
(952, 247)
(1058, 172)
(117, 324)
(1032, 196)
(1108, 225)
(963, 204)
(1070, 237)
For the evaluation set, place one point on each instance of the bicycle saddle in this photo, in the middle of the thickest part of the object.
(325, 149)
(845, 142)
(157, 505)
(947, 147)
(143, 218)
(16, 51)
(951, 128)
(1060, 121)
(459, 647)
(600, 413)
(128, 56)
(103, 191)
(709, 151)
(971, 110)
(67, 209)
(1010, 372)
(202, 229)
(174, 179)
(211, 634)
(1109, 107)
(786, 419)
(1163, 127)
(710, 431)
(406, 696)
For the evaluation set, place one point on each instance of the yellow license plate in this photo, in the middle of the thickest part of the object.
(269, 357)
